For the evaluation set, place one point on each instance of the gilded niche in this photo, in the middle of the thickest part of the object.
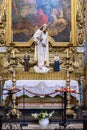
(62, 31)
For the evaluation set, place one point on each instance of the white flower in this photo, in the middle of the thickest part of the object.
(50, 114)
(42, 115)
(35, 115)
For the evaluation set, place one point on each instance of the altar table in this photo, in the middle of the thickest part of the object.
(40, 88)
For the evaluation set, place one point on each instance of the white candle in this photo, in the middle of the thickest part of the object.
(70, 36)
(13, 52)
(0, 18)
(77, 6)
(67, 53)
(4, 4)
(12, 36)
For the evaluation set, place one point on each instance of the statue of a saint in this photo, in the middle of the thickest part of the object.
(26, 61)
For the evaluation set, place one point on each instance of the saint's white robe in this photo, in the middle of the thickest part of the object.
(41, 54)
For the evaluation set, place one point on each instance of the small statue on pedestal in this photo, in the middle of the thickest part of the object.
(26, 61)
(56, 66)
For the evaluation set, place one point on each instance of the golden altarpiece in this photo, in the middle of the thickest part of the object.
(66, 36)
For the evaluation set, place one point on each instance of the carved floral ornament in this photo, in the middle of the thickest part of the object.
(80, 23)
(2, 22)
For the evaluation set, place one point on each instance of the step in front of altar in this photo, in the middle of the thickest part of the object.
(54, 126)
(43, 103)
(40, 106)
(36, 102)
(51, 126)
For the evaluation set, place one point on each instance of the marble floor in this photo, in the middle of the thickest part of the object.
(51, 126)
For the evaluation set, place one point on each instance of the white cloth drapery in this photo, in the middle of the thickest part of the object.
(41, 87)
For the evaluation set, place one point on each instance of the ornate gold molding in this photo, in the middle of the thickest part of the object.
(80, 23)
(2, 22)
(35, 76)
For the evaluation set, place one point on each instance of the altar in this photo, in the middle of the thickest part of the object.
(41, 88)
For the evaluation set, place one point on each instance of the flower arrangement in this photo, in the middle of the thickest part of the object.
(42, 115)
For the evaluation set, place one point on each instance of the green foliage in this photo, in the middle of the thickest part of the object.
(42, 115)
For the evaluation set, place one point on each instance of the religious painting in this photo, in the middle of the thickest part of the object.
(25, 16)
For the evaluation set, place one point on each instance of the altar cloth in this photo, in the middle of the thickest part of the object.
(41, 88)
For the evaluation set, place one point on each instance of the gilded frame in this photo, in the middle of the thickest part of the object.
(9, 31)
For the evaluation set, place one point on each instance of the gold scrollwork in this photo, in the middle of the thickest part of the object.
(2, 22)
(80, 23)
